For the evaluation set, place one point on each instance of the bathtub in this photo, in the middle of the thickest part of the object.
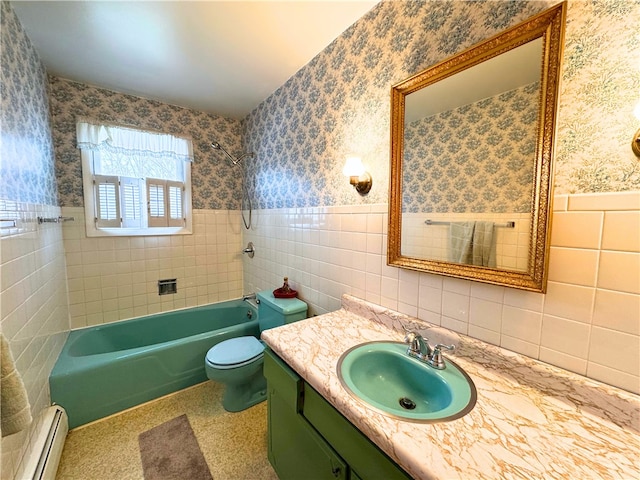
(108, 368)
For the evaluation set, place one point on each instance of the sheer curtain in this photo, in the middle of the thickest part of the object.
(101, 136)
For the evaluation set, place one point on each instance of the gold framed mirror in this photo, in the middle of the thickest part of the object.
(471, 159)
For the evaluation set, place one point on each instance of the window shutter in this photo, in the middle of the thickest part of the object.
(107, 196)
(176, 204)
(132, 208)
(156, 198)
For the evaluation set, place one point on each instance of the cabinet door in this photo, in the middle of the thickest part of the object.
(361, 453)
(295, 450)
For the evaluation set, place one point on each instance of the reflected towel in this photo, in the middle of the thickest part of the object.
(16, 411)
(484, 248)
(461, 241)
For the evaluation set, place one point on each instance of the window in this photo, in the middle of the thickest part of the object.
(135, 182)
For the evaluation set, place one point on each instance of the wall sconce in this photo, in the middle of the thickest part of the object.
(358, 177)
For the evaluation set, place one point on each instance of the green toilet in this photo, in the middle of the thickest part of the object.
(237, 362)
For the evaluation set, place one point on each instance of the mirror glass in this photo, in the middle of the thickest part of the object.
(471, 159)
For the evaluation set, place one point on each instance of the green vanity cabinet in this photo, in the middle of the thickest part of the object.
(309, 439)
(296, 450)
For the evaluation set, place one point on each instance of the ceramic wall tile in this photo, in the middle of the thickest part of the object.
(613, 201)
(520, 346)
(523, 299)
(485, 314)
(116, 279)
(565, 336)
(567, 361)
(577, 229)
(617, 311)
(570, 309)
(569, 301)
(430, 298)
(619, 271)
(493, 293)
(616, 350)
(621, 231)
(613, 377)
(455, 305)
(522, 324)
(572, 265)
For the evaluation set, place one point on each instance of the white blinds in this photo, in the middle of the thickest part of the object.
(165, 203)
(107, 193)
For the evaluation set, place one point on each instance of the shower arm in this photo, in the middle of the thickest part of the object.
(235, 161)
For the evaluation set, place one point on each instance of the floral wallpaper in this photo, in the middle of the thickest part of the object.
(215, 182)
(462, 160)
(26, 148)
(599, 89)
(339, 103)
(34, 317)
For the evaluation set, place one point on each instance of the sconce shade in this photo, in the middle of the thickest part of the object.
(358, 177)
(353, 167)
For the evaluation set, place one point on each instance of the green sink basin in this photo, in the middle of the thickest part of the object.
(384, 377)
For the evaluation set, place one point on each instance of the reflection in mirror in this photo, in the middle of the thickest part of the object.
(471, 149)
(468, 163)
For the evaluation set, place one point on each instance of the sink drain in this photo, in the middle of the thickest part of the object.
(407, 403)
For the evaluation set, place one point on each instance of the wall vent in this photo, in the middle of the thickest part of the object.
(166, 287)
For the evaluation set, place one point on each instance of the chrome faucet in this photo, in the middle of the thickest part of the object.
(419, 348)
(251, 296)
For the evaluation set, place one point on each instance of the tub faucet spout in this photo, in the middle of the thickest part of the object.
(251, 296)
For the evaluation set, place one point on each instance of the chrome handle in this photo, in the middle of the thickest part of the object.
(439, 346)
(436, 360)
(249, 250)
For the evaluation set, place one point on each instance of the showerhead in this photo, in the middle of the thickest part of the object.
(234, 161)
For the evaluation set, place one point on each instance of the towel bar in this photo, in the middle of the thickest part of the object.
(436, 222)
(55, 219)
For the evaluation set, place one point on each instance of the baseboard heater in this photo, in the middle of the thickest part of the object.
(48, 443)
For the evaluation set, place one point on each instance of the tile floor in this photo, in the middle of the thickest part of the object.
(234, 444)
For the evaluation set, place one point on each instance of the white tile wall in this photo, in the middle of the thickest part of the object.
(33, 309)
(112, 279)
(587, 322)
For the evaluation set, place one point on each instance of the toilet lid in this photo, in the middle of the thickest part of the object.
(235, 352)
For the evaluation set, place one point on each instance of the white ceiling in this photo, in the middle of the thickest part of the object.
(507, 71)
(222, 57)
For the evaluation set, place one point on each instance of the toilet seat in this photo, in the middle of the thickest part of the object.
(235, 352)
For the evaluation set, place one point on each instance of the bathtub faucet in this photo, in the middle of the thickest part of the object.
(251, 296)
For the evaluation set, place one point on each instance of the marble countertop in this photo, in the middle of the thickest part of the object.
(531, 420)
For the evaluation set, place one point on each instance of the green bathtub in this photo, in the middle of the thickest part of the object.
(109, 368)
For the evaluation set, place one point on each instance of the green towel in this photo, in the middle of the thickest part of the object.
(461, 241)
(484, 248)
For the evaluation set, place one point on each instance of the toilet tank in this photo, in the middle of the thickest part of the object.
(273, 312)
